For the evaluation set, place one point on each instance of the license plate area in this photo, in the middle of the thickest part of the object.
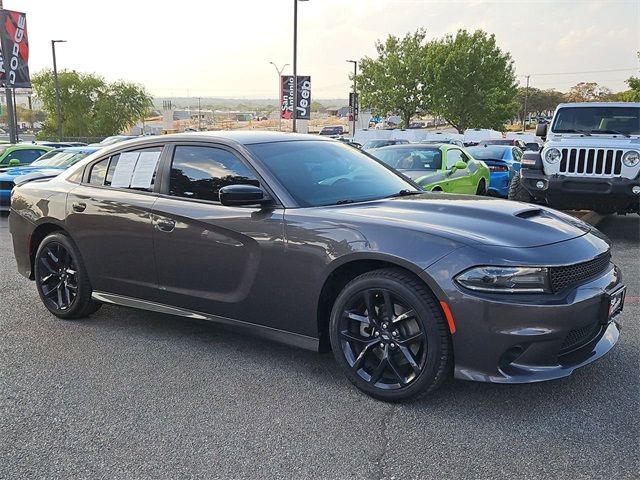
(613, 303)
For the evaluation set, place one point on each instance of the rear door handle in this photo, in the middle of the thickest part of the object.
(78, 207)
(165, 224)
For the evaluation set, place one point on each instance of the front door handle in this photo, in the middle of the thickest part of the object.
(78, 207)
(165, 224)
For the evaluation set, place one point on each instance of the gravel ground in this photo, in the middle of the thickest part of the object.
(130, 394)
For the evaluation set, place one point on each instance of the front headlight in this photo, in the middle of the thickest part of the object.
(506, 279)
(552, 155)
(631, 158)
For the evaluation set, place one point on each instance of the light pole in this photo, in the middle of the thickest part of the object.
(57, 84)
(279, 70)
(526, 98)
(295, 60)
(353, 107)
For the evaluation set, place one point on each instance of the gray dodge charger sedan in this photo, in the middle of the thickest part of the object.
(313, 243)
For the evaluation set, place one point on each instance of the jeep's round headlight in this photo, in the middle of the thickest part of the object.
(552, 155)
(631, 158)
(506, 279)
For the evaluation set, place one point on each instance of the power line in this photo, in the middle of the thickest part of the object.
(581, 73)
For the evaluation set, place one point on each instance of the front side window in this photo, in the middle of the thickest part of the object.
(24, 156)
(326, 173)
(200, 172)
(453, 157)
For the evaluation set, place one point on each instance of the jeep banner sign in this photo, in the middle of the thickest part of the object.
(304, 97)
(14, 66)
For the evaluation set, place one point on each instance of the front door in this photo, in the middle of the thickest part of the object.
(109, 218)
(213, 258)
(459, 179)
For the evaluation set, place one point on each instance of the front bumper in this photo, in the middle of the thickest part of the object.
(528, 338)
(583, 193)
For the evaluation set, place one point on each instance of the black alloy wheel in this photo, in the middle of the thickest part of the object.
(382, 340)
(389, 336)
(482, 187)
(61, 278)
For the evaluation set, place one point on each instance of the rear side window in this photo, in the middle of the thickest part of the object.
(135, 169)
(200, 172)
(98, 172)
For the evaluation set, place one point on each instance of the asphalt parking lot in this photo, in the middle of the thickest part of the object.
(132, 394)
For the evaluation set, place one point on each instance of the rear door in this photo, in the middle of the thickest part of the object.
(213, 258)
(109, 218)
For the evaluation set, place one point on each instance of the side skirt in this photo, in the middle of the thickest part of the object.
(289, 338)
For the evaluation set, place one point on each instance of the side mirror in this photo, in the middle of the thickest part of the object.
(14, 162)
(459, 165)
(240, 195)
(541, 130)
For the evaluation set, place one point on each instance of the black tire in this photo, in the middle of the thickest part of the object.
(517, 192)
(436, 189)
(61, 278)
(482, 187)
(414, 352)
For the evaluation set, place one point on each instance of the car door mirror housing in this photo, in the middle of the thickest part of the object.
(14, 162)
(459, 165)
(541, 130)
(239, 195)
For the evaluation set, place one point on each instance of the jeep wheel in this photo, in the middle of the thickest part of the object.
(517, 191)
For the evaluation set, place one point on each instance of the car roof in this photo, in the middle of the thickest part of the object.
(85, 148)
(408, 146)
(600, 104)
(492, 146)
(23, 146)
(241, 137)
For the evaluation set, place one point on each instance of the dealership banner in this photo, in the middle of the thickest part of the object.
(304, 97)
(14, 67)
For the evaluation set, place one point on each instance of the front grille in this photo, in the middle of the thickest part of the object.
(6, 185)
(579, 337)
(597, 162)
(565, 277)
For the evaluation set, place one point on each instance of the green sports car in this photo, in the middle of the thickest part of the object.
(20, 154)
(444, 167)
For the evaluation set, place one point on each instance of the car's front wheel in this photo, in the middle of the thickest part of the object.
(389, 336)
(482, 187)
(517, 191)
(61, 278)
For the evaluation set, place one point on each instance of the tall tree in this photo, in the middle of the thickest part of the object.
(471, 81)
(588, 92)
(391, 82)
(91, 107)
(538, 101)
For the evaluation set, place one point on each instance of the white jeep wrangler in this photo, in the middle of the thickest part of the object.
(590, 160)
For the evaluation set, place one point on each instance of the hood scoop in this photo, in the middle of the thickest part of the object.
(530, 213)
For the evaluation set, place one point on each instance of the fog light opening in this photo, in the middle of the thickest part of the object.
(636, 190)
(511, 355)
(539, 184)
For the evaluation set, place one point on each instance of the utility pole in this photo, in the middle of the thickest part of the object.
(526, 97)
(355, 98)
(9, 97)
(199, 115)
(57, 84)
(279, 70)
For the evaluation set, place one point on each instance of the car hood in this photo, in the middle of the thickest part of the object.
(470, 219)
(17, 171)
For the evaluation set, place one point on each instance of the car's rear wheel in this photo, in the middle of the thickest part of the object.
(389, 336)
(61, 278)
(482, 187)
(517, 191)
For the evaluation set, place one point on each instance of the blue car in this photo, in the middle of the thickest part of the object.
(503, 162)
(52, 162)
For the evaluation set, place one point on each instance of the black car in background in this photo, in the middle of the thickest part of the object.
(313, 243)
(333, 130)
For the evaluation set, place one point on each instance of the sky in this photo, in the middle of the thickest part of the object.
(222, 48)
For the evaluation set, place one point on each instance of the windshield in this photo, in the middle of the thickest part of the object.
(487, 153)
(411, 158)
(60, 158)
(621, 120)
(319, 173)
